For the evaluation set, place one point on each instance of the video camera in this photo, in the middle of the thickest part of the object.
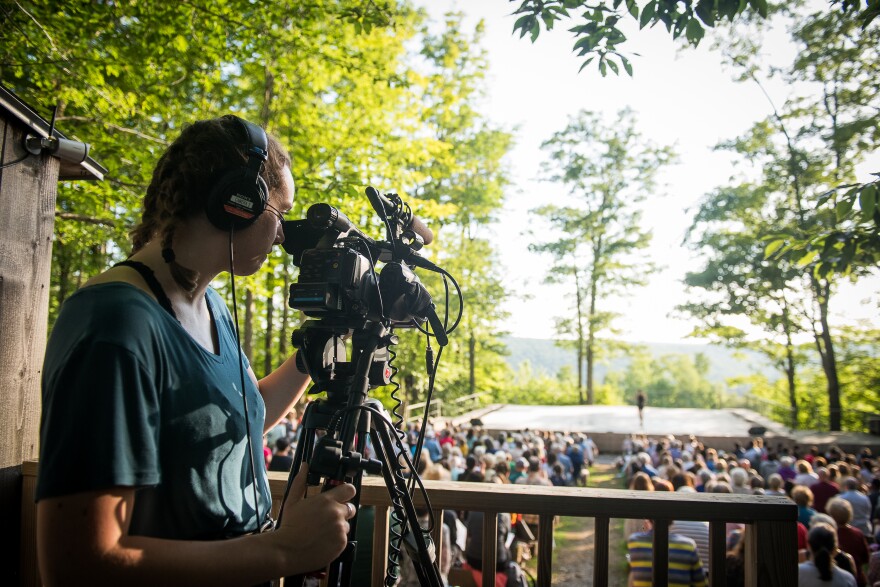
(339, 285)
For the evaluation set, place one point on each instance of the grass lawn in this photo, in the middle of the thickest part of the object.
(573, 541)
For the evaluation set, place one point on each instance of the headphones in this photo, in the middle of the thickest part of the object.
(239, 196)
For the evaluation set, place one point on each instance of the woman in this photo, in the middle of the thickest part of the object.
(850, 539)
(803, 497)
(147, 475)
(820, 570)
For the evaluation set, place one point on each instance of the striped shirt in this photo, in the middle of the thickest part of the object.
(696, 531)
(685, 568)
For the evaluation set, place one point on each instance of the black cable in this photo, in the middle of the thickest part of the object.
(415, 479)
(421, 440)
(247, 419)
(16, 162)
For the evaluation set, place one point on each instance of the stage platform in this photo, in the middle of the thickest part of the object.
(608, 426)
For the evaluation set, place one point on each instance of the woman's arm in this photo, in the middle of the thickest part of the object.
(83, 539)
(281, 389)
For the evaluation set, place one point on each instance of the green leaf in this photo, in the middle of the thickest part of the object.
(772, 247)
(633, 8)
(706, 11)
(647, 13)
(627, 65)
(694, 31)
(843, 208)
(586, 63)
(868, 201)
(807, 259)
(613, 67)
(760, 6)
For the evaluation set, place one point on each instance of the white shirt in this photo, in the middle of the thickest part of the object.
(861, 507)
(808, 576)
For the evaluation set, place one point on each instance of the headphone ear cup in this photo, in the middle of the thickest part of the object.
(237, 200)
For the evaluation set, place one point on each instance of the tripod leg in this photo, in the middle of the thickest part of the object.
(404, 512)
(340, 570)
(316, 417)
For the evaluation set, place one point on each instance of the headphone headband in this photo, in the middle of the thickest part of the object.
(239, 196)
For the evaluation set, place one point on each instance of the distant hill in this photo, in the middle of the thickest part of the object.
(545, 356)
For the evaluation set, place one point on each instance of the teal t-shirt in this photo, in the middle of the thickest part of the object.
(131, 399)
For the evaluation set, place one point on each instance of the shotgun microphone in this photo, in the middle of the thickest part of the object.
(383, 207)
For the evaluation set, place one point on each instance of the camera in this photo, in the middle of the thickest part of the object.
(338, 277)
(339, 285)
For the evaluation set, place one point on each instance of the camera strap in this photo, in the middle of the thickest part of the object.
(152, 282)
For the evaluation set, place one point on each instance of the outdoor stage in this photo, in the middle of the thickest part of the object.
(608, 426)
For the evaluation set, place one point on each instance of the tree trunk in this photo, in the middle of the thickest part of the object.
(591, 340)
(829, 362)
(247, 342)
(285, 309)
(790, 368)
(267, 337)
(472, 362)
(580, 333)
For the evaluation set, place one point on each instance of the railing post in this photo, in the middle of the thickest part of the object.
(771, 554)
(437, 536)
(600, 552)
(717, 553)
(380, 546)
(490, 547)
(660, 562)
(545, 550)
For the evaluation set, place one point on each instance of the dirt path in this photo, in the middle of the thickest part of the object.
(573, 553)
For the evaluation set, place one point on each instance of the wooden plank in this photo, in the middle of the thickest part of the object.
(380, 546)
(437, 537)
(545, 550)
(751, 557)
(490, 546)
(30, 571)
(776, 553)
(661, 553)
(27, 216)
(589, 502)
(718, 554)
(600, 551)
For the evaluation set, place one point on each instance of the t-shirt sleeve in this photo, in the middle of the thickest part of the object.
(100, 424)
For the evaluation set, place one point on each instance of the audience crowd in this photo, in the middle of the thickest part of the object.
(836, 494)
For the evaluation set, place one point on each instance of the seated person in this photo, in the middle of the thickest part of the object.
(685, 567)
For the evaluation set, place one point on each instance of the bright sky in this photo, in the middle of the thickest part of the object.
(681, 98)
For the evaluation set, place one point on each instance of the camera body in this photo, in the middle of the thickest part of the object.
(339, 286)
(336, 282)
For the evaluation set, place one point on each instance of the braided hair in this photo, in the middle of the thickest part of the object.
(823, 544)
(184, 177)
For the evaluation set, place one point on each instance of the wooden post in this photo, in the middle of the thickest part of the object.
(490, 546)
(27, 216)
(717, 549)
(545, 550)
(774, 549)
(380, 546)
(600, 552)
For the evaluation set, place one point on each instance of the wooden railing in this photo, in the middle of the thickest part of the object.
(771, 537)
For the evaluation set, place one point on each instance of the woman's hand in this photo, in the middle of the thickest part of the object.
(315, 529)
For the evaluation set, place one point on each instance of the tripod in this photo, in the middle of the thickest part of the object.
(347, 419)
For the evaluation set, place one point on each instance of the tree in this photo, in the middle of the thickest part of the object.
(464, 181)
(808, 145)
(608, 169)
(737, 286)
(343, 86)
(598, 33)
